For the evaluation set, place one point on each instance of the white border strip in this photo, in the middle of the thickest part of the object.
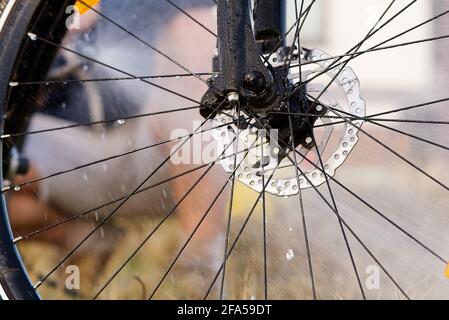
(5, 15)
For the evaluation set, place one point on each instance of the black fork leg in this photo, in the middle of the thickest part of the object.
(238, 52)
(267, 24)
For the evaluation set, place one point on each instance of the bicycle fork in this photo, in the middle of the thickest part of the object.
(243, 75)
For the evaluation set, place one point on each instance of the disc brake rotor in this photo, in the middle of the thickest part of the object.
(258, 150)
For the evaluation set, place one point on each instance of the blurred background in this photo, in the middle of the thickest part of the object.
(389, 79)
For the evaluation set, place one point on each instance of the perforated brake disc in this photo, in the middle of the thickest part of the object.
(258, 150)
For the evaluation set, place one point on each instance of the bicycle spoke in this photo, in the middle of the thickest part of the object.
(89, 164)
(335, 209)
(145, 43)
(77, 81)
(413, 107)
(301, 206)
(239, 234)
(378, 212)
(389, 149)
(150, 235)
(410, 135)
(355, 49)
(378, 48)
(297, 36)
(88, 124)
(371, 119)
(399, 45)
(348, 246)
(85, 213)
(408, 234)
(355, 117)
(340, 218)
(37, 37)
(129, 196)
(390, 221)
(284, 36)
(264, 230)
(196, 228)
(231, 203)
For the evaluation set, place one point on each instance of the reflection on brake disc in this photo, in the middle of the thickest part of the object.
(262, 159)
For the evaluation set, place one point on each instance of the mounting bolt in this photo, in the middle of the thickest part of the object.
(254, 81)
(309, 140)
(233, 97)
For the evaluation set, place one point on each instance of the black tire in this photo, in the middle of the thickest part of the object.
(17, 18)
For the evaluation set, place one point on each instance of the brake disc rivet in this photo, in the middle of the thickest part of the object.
(233, 97)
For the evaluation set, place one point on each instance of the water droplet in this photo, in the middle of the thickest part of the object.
(85, 177)
(86, 67)
(178, 77)
(17, 188)
(105, 167)
(13, 84)
(121, 121)
(290, 255)
(290, 229)
(63, 105)
(32, 36)
(86, 37)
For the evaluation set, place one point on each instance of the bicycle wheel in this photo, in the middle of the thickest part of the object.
(299, 192)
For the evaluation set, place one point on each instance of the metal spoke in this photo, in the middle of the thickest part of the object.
(85, 213)
(239, 234)
(129, 196)
(150, 235)
(197, 227)
(76, 81)
(337, 112)
(145, 43)
(297, 36)
(36, 37)
(408, 234)
(355, 117)
(338, 215)
(355, 49)
(89, 164)
(334, 203)
(264, 229)
(231, 203)
(303, 216)
(88, 124)
(378, 48)
(354, 55)
(335, 209)
(276, 47)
